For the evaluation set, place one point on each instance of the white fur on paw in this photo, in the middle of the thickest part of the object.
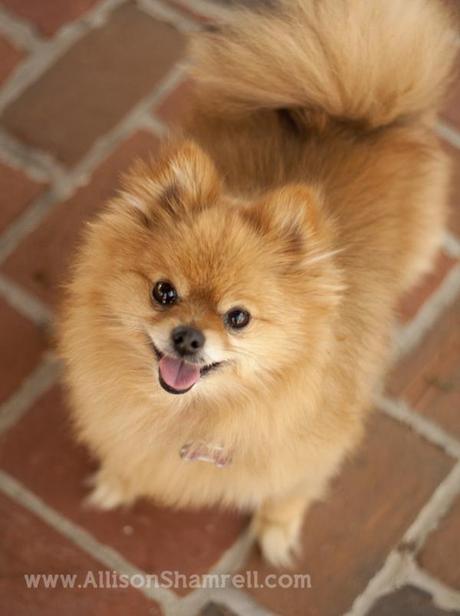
(105, 495)
(278, 542)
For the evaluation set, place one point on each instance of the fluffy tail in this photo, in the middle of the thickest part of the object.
(369, 61)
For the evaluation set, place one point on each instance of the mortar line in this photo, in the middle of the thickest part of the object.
(451, 245)
(46, 52)
(29, 220)
(151, 124)
(431, 514)
(204, 8)
(411, 334)
(37, 383)
(144, 121)
(444, 597)
(229, 562)
(239, 600)
(172, 605)
(235, 556)
(64, 184)
(166, 12)
(448, 133)
(394, 572)
(19, 31)
(102, 553)
(235, 599)
(430, 431)
(17, 151)
(392, 575)
(40, 381)
(24, 302)
(398, 567)
(134, 120)
(33, 161)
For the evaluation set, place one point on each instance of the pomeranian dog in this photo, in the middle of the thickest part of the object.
(230, 312)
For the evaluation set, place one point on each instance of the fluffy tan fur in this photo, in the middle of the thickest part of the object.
(307, 187)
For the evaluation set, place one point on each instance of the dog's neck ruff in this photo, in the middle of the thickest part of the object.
(206, 452)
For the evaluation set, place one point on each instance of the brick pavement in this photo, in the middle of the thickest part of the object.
(86, 86)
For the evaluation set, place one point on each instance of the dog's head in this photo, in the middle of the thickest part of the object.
(220, 290)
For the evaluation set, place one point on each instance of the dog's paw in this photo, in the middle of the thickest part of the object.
(278, 541)
(107, 492)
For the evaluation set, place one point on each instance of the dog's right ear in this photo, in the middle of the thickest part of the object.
(183, 181)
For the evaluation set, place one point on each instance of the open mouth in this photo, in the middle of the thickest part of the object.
(178, 376)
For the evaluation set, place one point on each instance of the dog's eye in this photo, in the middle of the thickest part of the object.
(164, 293)
(237, 318)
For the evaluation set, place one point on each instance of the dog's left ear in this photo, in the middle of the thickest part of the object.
(183, 180)
(292, 216)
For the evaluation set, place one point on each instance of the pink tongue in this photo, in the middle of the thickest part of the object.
(177, 374)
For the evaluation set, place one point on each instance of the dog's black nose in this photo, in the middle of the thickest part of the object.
(187, 340)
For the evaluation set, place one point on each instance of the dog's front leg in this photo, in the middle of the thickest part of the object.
(277, 524)
(108, 490)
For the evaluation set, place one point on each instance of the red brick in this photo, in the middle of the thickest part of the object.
(29, 546)
(48, 15)
(17, 191)
(95, 84)
(451, 111)
(40, 262)
(21, 345)
(440, 555)
(409, 601)
(347, 538)
(55, 469)
(454, 218)
(10, 56)
(174, 106)
(454, 6)
(412, 302)
(428, 379)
